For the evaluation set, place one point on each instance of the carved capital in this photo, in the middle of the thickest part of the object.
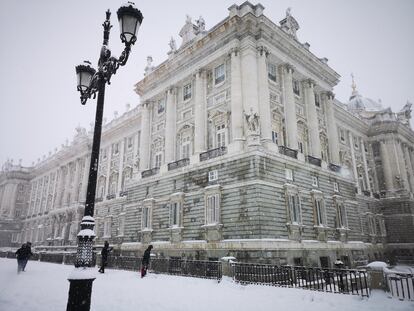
(263, 51)
(234, 52)
(328, 95)
(286, 67)
(200, 73)
(309, 83)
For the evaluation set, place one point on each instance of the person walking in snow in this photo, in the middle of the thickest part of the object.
(146, 261)
(104, 253)
(23, 254)
(29, 252)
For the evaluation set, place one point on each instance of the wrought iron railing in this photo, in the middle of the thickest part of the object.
(366, 193)
(110, 196)
(150, 172)
(401, 285)
(123, 193)
(193, 268)
(334, 167)
(213, 153)
(178, 164)
(328, 280)
(314, 161)
(288, 152)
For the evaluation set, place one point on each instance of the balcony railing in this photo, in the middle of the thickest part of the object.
(334, 167)
(150, 172)
(98, 200)
(376, 195)
(123, 193)
(213, 153)
(178, 164)
(366, 193)
(110, 196)
(314, 161)
(288, 152)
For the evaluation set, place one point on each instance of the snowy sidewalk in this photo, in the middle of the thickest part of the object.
(44, 286)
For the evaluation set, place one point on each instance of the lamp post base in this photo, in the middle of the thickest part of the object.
(80, 292)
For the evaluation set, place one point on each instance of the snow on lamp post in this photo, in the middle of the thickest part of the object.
(92, 82)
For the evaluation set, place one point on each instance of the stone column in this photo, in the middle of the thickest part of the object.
(85, 179)
(249, 81)
(170, 131)
(135, 155)
(76, 180)
(108, 171)
(66, 184)
(332, 129)
(409, 166)
(411, 152)
(313, 124)
(236, 101)
(364, 159)
(200, 118)
(290, 108)
(386, 166)
(354, 166)
(401, 164)
(264, 99)
(145, 137)
(11, 199)
(121, 166)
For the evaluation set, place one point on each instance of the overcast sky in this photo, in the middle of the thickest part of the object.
(42, 41)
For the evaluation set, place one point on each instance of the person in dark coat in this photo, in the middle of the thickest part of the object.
(29, 252)
(104, 253)
(146, 261)
(23, 254)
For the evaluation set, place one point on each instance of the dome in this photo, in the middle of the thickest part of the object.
(358, 102)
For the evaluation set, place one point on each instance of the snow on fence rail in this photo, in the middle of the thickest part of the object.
(343, 281)
(401, 285)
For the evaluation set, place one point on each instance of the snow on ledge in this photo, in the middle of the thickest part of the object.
(82, 273)
(377, 265)
(86, 232)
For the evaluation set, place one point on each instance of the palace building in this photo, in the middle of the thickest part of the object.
(237, 148)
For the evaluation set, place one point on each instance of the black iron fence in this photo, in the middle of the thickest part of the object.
(193, 268)
(343, 281)
(401, 285)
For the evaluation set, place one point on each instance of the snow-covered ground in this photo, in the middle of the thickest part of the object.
(44, 286)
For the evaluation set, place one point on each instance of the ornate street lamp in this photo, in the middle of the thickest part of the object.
(91, 82)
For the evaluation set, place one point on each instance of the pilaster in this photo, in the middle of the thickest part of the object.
(264, 100)
(236, 101)
(145, 137)
(290, 107)
(313, 124)
(332, 129)
(364, 159)
(200, 119)
(386, 166)
(354, 165)
(170, 124)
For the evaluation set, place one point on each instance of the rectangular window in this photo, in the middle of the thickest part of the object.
(274, 138)
(219, 74)
(221, 135)
(271, 72)
(315, 182)
(213, 175)
(319, 211)
(341, 221)
(212, 209)
(187, 92)
(175, 214)
(342, 135)
(130, 142)
(289, 174)
(146, 218)
(356, 145)
(185, 147)
(161, 105)
(107, 228)
(294, 208)
(121, 225)
(317, 100)
(115, 148)
(296, 87)
(335, 186)
(158, 159)
(300, 146)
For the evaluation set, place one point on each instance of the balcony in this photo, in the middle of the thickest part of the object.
(366, 193)
(97, 200)
(110, 196)
(150, 172)
(123, 193)
(314, 161)
(178, 164)
(213, 153)
(288, 152)
(334, 167)
(377, 195)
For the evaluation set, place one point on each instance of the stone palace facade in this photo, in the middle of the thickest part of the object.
(238, 148)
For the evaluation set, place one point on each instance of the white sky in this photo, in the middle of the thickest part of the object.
(42, 41)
